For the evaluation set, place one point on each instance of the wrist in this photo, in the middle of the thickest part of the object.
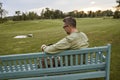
(43, 47)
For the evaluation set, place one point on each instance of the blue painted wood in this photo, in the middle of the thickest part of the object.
(108, 62)
(91, 58)
(15, 65)
(81, 59)
(66, 60)
(35, 63)
(40, 63)
(51, 62)
(5, 66)
(101, 56)
(56, 61)
(50, 71)
(70, 76)
(30, 62)
(26, 65)
(97, 57)
(40, 54)
(76, 57)
(61, 61)
(86, 59)
(10, 66)
(20, 65)
(71, 60)
(46, 63)
(1, 68)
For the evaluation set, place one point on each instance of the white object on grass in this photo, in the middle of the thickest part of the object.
(21, 36)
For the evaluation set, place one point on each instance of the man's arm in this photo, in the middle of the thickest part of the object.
(57, 47)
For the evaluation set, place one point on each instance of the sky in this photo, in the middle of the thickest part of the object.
(64, 5)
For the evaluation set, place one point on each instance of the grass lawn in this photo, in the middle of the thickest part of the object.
(99, 31)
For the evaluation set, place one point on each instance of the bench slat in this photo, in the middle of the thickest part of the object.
(20, 65)
(56, 62)
(86, 58)
(81, 59)
(76, 61)
(25, 65)
(5, 66)
(30, 62)
(40, 54)
(51, 62)
(46, 63)
(66, 60)
(35, 63)
(51, 70)
(70, 76)
(101, 56)
(91, 58)
(97, 57)
(71, 60)
(1, 69)
(10, 66)
(61, 61)
(15, 65)
(40, 63)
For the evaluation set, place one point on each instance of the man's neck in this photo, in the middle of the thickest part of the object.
(74, 30)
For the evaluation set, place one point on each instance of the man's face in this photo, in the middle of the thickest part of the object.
(67, 28)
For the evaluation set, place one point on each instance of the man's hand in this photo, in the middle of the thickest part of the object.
(43, 47)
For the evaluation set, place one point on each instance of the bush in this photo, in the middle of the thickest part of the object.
(116, 15)
(2, 20)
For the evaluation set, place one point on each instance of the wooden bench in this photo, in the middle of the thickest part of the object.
(69, 65)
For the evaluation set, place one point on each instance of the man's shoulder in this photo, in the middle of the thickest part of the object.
(73, 36)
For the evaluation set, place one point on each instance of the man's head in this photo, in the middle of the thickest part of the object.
(69, 25)
(70, 21)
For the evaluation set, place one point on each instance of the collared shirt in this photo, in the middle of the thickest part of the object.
(75, 40)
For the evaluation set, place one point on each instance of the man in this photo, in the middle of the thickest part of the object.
(74, 40)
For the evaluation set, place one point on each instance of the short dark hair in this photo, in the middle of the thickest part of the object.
(70, 21)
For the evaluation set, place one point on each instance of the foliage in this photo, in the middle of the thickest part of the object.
(117, 12)
(51, 14)
(25, 16)
(118, 1)
(2, 20)
(57, 14)
(3, 12)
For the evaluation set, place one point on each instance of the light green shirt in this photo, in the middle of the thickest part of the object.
(76, 40)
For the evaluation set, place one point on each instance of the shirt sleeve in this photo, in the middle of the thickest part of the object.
(58, 47)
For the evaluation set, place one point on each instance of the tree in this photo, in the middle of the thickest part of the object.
(3, 12)
(118, 1)
(91, 14)
(47, 14)
(107, 13)
(51, 14)
(24, 16)
(17, 17)
(117, 12)
(118, 6)
(17, 13)
(42, 13)
(32, 15)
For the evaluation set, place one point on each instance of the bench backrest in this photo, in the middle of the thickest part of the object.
(30, 65)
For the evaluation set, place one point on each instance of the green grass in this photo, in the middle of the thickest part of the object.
(100, 32)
